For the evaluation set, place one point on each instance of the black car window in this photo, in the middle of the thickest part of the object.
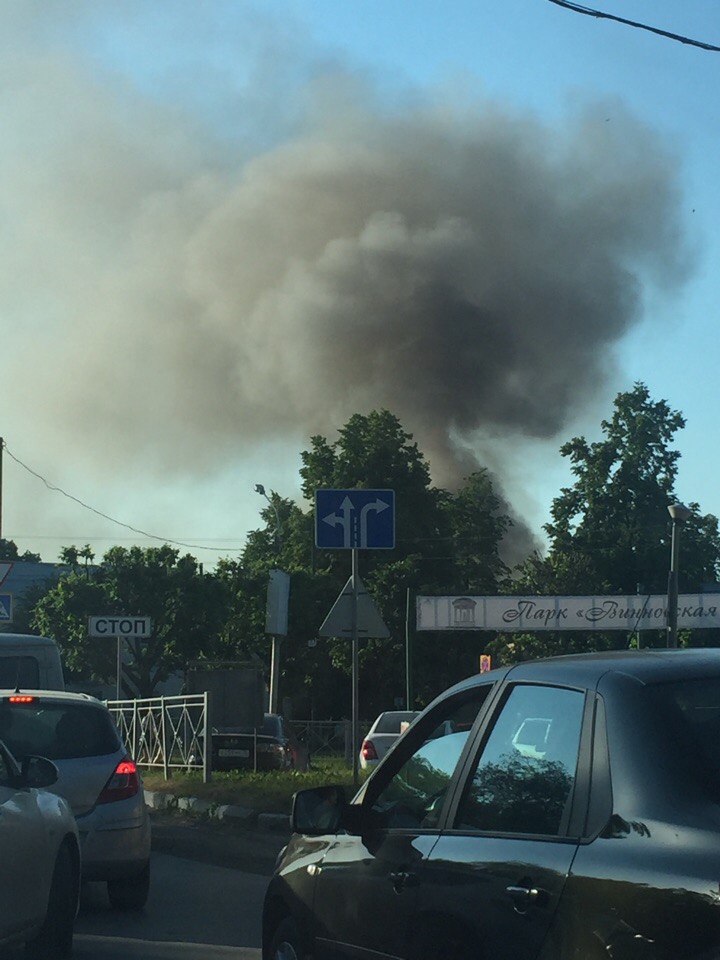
(414, 795)
(689, 713)
(57, 730)
(5, 772)
(393, 722)
(272, 727)
(525, 773)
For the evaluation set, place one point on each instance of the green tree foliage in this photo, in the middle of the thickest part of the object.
(186, 607)
(72, 556)
(9, 551)
(445, 543)
(610, 531)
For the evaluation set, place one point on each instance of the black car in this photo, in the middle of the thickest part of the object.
(271, 746)
(561, 809)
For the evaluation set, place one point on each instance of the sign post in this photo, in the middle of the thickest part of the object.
(354, 520)
(276, 624)
(120, 627)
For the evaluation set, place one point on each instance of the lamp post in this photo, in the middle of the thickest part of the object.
(679, 514)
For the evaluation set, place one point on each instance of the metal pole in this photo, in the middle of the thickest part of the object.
(2, 444)
(672, 616)
(409, 697)
(207, 739)
(679, 514)
(274, 673)
(355, 668)
(119, 665)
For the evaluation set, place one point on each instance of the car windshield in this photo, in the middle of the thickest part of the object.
(59, 731)
(392, 722)
(270, 727)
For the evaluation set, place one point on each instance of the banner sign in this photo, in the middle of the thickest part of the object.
(521, 614)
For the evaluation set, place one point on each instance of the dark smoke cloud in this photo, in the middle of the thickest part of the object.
(471, 269)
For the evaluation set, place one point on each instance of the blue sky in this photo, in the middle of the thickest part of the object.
(154, 221)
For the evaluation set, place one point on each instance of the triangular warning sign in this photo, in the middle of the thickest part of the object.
(339, 622)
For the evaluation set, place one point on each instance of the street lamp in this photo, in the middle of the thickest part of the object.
(679, 514)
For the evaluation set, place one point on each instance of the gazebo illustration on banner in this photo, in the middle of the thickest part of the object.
(464, 612)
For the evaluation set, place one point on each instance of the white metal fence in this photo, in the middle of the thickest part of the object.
(171, 732)
(166, 732)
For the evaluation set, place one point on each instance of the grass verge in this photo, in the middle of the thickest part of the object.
(266, 792)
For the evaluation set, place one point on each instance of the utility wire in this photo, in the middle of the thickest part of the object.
(99, 513)
(577, 8)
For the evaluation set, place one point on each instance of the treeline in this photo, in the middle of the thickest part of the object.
(608, 533)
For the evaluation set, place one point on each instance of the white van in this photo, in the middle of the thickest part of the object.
(30, 663)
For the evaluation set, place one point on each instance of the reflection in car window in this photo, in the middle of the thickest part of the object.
(525, 775)
(413, 798)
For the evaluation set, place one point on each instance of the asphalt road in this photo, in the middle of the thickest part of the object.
(206, 893)
(247, 848)
(196, 911)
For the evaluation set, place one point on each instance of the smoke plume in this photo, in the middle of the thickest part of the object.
(468, 267)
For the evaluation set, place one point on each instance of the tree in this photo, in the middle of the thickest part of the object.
(444, 543)
(9, 551)
(72, 556)
(610, 531)
(187, 609)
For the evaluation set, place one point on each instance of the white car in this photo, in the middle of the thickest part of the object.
(382, 734)
(39, 860)
(98, 778)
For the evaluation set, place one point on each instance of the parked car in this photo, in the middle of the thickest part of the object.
(384, 731)
(271, 746)
(567, 807)
(98, 778)
(39, 860)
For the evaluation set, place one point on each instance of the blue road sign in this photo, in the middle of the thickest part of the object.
(355, 519)
(6, 607)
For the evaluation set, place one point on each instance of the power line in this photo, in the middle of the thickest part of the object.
(99, 513)
(600, 15)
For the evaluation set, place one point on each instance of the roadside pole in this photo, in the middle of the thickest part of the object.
(354, 520)
(119, 668)
(355, 669)
(409, 694)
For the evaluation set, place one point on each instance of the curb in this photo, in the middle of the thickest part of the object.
(158, 800)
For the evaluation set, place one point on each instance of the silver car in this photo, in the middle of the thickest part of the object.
(98, 778)
(39, 860)
(382, 735)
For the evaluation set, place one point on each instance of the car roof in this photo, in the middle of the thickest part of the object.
(395, 713)
(25, 639)
(65, 696)
(651, 665)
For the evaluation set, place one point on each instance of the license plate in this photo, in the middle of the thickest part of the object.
(225, 752)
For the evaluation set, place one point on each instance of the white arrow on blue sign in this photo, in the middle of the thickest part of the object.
(355, 519)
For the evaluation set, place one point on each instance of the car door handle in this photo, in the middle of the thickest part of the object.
(524, 897)
(401, 879)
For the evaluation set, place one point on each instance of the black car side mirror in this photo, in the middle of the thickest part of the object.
(318, 810)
